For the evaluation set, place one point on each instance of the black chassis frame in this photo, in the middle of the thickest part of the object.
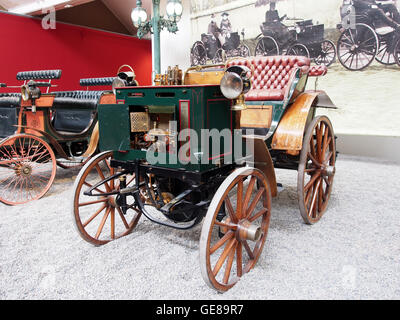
(203, 182)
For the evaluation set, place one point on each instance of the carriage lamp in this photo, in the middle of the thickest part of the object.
(174, 10)
(156, 24)
(235, 84)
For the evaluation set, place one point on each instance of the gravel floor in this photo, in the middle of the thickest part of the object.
(352, 253)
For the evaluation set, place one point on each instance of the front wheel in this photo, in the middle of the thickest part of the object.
(327, 56)
(231, 244)
(105, 215)
(267, 46)
(27, 169)
(298, 49)
(316, 169)
(397, 53)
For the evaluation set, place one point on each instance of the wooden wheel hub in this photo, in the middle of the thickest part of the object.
(328, 171)
(248, 231)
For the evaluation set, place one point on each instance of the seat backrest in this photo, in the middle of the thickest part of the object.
(272, 76)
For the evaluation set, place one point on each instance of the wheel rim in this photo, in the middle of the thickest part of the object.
(397, 53)
(244, 229)
(267, 46)
(385, 53)
(357, 48)
(100, 219)
(316, 170)
(327, 55)
(72, 164)
(27, 169)
(298, 50)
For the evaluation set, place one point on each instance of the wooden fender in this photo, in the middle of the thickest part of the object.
(290, 132)
(263, 162)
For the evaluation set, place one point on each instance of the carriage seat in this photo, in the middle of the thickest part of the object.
(11, 100)
(272, 76)
(75, 110)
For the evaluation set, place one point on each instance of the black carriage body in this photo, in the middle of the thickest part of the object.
(211, 44)
(9, 109)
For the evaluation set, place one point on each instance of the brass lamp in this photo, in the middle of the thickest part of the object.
(235, 84)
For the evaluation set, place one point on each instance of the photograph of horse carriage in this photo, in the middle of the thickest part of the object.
(40, 131)
(219, 44)
(303, 38)
(146, 167)
(370, 30)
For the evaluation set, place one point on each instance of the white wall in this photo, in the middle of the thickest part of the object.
(175, 48)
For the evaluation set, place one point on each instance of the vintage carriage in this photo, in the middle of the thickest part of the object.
(303, 39)
(42, 130)
(210, 48)
(366, 40)
(178, 180)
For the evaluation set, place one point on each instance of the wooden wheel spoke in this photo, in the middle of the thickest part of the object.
(315, 161)
(94, 215)
(98, 169)
(231, 211)
(254, 202)
(229, 235)
(223, 256)
(103, 222)
(91, 186)
(226, 225)
(314, 198)
(312, 180)
(229, 264)
(239, 260)
(258, 215)
(84, 204)
(123, 218)
(239, 204)
(248, 194)
(248, 250)
(112, 223)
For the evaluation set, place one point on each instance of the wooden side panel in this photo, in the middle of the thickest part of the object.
(34, 121)
(290, 131)
(203, 77)
(263, 162)
(108, 98)
(43, 101)
(256, 117)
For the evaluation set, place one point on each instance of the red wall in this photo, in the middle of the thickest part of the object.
(79, 52)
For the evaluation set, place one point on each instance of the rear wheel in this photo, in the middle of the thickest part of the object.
(385, 52)
(230, 246)
(198, 54)
(397, 53)
(266, 46)
(327, 56)
(357, 47)
(316, 169)
(100, 217)
(27, 169)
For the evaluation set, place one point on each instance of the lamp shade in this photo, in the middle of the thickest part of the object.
(174, 10)
(139, 16)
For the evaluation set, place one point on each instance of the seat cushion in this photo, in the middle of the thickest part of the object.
(271, 76)
(74, 110)
(10, 100)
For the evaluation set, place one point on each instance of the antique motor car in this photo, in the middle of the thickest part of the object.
(210, 48)
(303, 39)
(160, 159)
(42, 130)
(364, 38)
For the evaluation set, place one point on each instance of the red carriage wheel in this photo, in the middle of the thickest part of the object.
(100, 218)
(230, 247)
(316, 169)
(27, 169)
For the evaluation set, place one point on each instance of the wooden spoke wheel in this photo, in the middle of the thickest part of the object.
(230, 247)
(27, 169)
(198, 54)
(100, 218)
(266, 46)
(316, 169)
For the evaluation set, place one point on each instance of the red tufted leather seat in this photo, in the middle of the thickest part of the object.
(272, 76)
(316, 71)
